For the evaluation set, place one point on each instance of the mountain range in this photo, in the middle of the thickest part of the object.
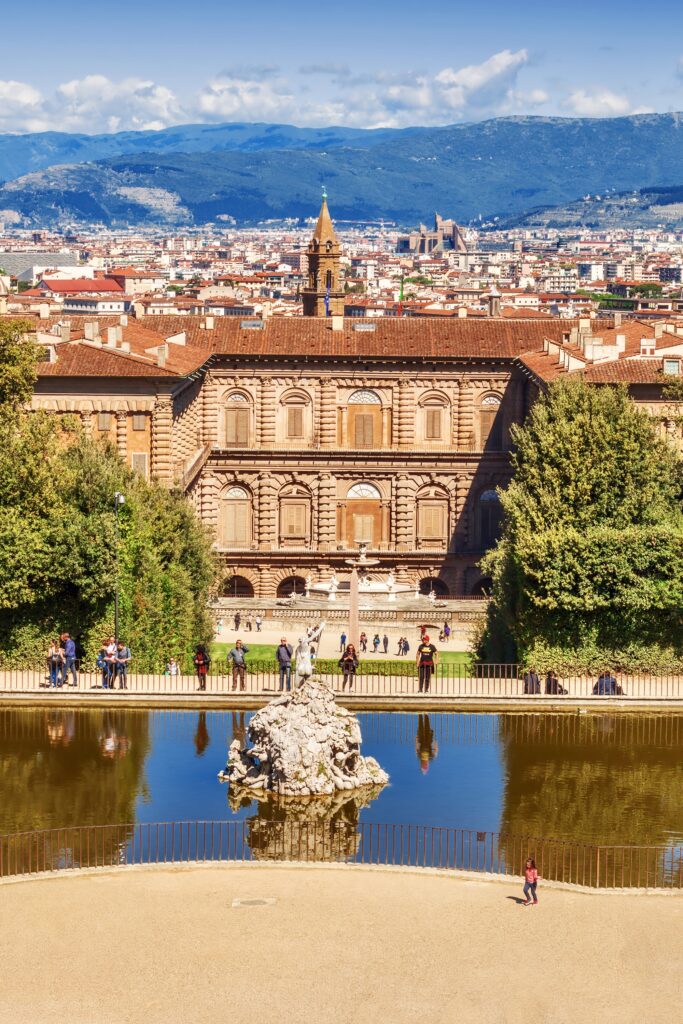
(193, 174)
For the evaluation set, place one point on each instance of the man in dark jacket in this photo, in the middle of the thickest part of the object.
(283, 656)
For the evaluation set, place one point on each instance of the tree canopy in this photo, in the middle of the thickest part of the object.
(59, 554)
(589, 568)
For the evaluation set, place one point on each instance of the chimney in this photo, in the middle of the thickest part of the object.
(118, 335)
(585, 326)
(659, 330)
(494, 301)
(648, 347)
(462, 312)
(337, 323)
(123, 319)
(621, 342)
(65, 332)
(208, 323)
(111, 336)
(89, 330)
(617, 320)
(125, 346)
(44, 311)
(162, 355)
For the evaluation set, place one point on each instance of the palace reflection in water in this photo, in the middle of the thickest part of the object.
(604, 779)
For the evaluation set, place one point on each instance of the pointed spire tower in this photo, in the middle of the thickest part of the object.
(323, 295)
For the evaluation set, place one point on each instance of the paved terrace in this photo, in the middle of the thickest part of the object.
(352, 945)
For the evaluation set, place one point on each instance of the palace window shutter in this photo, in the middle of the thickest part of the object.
(237, 428)
(236, 523)
(295, 421)
(433, 424)
(364, 435)
(432, 522)
(363, 528)
(294, 520)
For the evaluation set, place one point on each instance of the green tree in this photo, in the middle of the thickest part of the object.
(589, 569)
(18, 358)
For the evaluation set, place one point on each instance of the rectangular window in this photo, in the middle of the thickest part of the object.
(363, 430)
(236, 524)
(431, 521)
(237, 428)
(433, 424)
(295, 421)
(103, 421)
(363, 529)
(491, 430)
(294, 519)
(139, 461)
(138, 421)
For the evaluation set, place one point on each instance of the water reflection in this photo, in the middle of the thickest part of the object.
(426, 745)
(201, 735)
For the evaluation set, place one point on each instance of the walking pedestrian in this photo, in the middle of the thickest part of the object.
(248, 623)
(70, 660)
(258, 620)
(447, 631)
(54, 663)
(385, 643)
(342, 643)
(530, 882)
(283, 656)
(239, 664)
(123, 657)
(364, 642)
(426, 659)
(375, 643)
(201, 662)
(348, 663)
(406, 645)
(238, 619)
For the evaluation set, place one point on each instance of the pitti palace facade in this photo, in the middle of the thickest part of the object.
(299, 438)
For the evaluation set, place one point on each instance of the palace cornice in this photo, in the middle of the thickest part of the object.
(322, 459)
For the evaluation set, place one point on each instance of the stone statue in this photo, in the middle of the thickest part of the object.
(334, 587)
(432, 596)
(309, 583)
(304, 665)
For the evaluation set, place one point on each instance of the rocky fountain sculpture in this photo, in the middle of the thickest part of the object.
(302, 744)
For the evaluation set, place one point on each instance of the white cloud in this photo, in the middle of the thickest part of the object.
(96, 103)
(602, 103)
(20, 103)
(235, 97)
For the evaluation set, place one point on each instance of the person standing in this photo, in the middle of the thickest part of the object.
(201, 662)
(375, 643)
(342, 643)
(385, 643)
(406, 645)
(54, 663)
(238, 619)
(364, 642)
(447, 631)
(283, 657)
(258, 620)
(248, 623)
(426, 659)
(530, 882)
(239, 664)
(123, 657)
(110, 662)
(348, 663)
(70, 659)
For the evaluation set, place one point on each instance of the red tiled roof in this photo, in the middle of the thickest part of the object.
(98, 284)
(626, 371)
(74, 360)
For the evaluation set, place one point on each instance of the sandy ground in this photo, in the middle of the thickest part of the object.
(339, 946)
(330, 646)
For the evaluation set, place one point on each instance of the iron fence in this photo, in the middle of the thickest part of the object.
(337, 841)
(374, 678)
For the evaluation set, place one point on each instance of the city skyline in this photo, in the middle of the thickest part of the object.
(364, 67)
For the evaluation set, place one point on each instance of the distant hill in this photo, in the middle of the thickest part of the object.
(641, 208)
(200, 173)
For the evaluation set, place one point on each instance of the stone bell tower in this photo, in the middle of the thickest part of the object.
(323, 295)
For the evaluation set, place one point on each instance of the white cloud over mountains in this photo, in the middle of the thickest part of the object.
(316, 94)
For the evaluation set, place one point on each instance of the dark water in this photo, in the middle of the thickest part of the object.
(604, 779)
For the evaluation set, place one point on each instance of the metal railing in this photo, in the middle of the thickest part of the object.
(375, 678)
(343, 842)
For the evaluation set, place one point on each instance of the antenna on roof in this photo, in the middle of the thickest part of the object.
(324, 192)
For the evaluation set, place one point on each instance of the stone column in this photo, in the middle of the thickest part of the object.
(455, 412)
(466, 438)
(386, 427)
(162, 431)
(406, 432)
(343, 524)
(122, 432)
(265, 587)
(208, 503)
(385, 537)
(462, 488)
(344, 428)
(404, 518)
(267, 512)
(265, 433)
(211, 431)
(255, 513)
(327, 513)
(328, 414)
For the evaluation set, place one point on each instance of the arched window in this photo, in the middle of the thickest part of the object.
(238, 586)
(295, 419)
(235, 518)
(364, 511)
(434, 410)
(432, 584)
(490, 424)
(291, 585)
(237, 420)
(432, 518)
(328, 279)
(364, 491)
(295, 516)
(490, 518)
(365, 419)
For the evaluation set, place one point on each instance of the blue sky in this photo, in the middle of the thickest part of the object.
(83, 66)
